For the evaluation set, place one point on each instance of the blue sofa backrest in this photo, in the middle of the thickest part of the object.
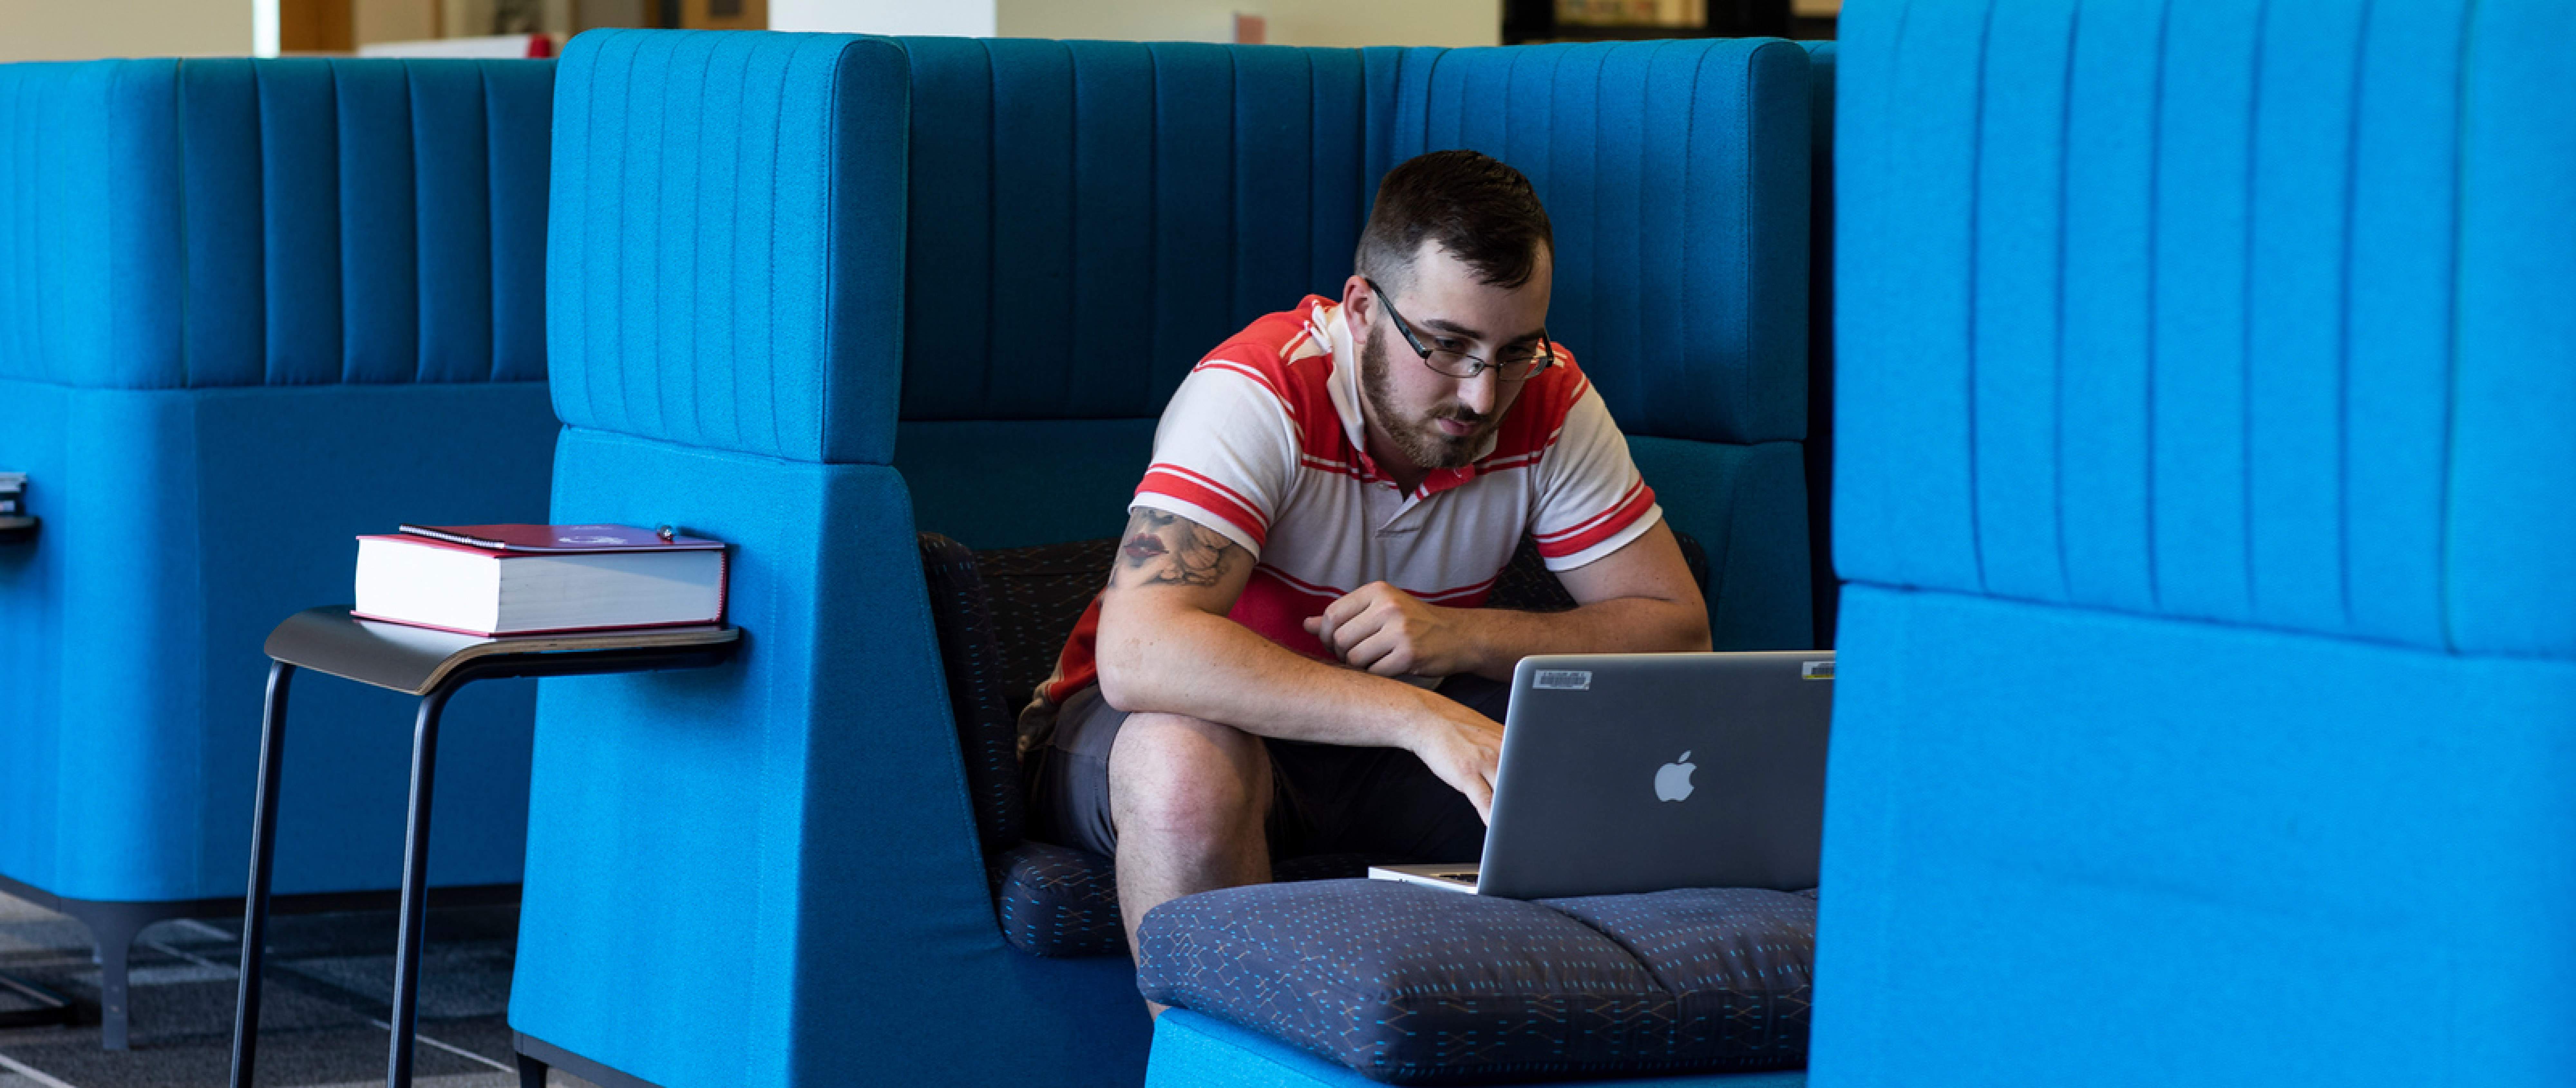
(2206, 497)
(809, 293)
(1675, 175)
(249, 310)
(216, 223)
(1087, 219)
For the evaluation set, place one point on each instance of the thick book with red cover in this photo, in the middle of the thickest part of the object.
(539, 579)
(561, 538)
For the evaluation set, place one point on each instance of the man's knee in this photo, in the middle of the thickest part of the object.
(1172, 775)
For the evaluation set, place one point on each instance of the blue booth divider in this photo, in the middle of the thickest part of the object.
(764, 874)
(810, 293)
(249, 310)
(2207, 491)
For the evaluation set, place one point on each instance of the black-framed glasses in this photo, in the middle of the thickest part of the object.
(1519, 366)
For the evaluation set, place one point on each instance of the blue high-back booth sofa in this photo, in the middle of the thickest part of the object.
(249, 310)
(2207, 500)
(811, 293)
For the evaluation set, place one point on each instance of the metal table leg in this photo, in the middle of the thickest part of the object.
(263, 848)
(415, 890)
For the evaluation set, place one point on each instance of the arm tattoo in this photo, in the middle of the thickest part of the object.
(1167, 549)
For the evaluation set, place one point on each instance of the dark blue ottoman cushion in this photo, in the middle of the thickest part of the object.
(1411, 985)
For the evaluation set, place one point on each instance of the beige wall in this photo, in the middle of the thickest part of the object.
(82, 29)
(1291, 22)
(464, 18)
(1352, 23)
(1117, 20)
(89, 29)
(393, 20)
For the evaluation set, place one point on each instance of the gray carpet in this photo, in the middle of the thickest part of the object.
(322, 1020)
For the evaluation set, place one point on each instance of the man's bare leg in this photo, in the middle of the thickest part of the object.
(1188, 798)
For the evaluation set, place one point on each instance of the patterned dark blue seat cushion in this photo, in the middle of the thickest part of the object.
(1034, 596)
(1412, 985)
(1059, 901)
(978, 693)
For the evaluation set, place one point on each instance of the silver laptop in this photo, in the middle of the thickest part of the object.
(1642, 772)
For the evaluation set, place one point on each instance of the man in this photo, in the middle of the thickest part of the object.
(1289, 658)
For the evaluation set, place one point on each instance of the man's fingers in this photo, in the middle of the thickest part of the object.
(1349, 635)
(1385, 653)
(1322, 629)
(1476, 785)
(1337, 638)
(1350, 604)
(1354, 618)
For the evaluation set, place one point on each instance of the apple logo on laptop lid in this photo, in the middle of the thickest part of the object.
(1673, 780)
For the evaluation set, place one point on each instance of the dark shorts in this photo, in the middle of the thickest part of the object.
(1325, 798)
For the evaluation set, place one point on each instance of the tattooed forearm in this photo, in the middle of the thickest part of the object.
(1166, 549)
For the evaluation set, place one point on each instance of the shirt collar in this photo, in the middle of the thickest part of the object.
(1345, 387)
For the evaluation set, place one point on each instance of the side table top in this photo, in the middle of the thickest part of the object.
(416, 659)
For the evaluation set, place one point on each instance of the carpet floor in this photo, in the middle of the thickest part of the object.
(323, 1010)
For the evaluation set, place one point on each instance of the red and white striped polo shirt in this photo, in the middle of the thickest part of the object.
(1264, 442)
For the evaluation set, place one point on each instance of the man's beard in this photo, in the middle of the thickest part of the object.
(1420, 439)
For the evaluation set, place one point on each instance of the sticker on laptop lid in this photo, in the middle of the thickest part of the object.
(1562, 680)
(1816, 670)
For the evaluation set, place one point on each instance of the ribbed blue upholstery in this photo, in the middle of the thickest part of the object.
(249, 310)
(812, 293)
(207, 223)
(766, 874)
(1089, 218)
(719, 283)
(2208, 475)
(1675, 175)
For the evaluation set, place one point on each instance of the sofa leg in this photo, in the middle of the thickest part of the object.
(113, 1021)
(532, 1072)
(113, 928)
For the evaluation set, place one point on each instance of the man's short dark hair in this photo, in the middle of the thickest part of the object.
(1481, 211)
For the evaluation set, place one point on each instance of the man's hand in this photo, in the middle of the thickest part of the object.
(1463, 747)
(1389, 632)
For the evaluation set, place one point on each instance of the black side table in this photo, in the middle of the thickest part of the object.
(432, 665)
